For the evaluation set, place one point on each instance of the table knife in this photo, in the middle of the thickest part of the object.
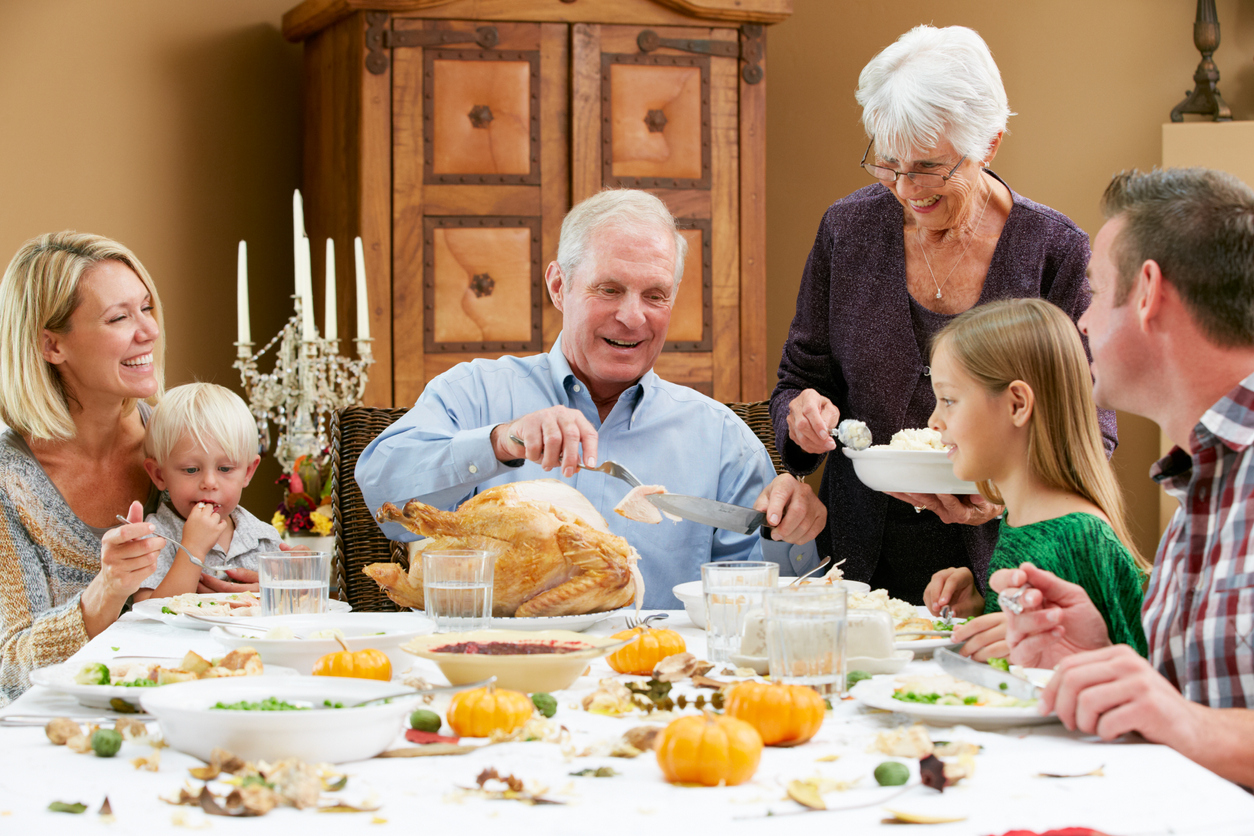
(960, 667)
(709, 512)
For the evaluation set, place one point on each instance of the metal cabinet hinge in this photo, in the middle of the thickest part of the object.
(750, 49)
(380, 37)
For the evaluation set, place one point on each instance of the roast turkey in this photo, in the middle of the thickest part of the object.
(554, 553)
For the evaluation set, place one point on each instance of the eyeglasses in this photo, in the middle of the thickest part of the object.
(919, 178)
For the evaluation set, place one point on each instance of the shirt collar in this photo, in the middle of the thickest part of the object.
(564, 378)
(1229, 422)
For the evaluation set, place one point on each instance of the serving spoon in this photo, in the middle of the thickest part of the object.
(422, 692)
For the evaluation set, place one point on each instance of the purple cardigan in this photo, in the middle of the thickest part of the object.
(853, 340)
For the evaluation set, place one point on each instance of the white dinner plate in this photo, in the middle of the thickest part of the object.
(924, 645)
(877, 692)
(60, 677)
(575, 623)
(151, 608)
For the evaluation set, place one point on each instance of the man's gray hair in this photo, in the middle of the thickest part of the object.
(1197, 225)
(933, 84)
(628, 210)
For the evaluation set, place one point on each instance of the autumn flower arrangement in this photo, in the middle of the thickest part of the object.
(306, 498)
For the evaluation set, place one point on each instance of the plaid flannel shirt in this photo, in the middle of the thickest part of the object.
(1199, 609)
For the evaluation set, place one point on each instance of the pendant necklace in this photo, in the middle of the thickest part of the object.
(919, 233)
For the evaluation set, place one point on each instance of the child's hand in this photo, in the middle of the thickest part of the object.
(203, 528)
(956, 587)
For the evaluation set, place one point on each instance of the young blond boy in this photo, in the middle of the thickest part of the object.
(201, 444)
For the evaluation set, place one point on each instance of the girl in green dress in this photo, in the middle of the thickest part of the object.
(1014, 406)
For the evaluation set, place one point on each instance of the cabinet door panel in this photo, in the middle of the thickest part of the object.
(483, 119)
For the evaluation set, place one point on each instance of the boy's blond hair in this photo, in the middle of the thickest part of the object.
(1034, 341)
(208, 413)
(40, 290)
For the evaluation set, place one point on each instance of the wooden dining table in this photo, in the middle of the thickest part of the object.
(1125, 787)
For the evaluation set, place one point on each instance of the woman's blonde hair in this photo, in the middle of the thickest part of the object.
(40, 290)
(1032, 341)
(208, 413)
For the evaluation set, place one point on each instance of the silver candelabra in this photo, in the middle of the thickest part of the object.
(311, 379)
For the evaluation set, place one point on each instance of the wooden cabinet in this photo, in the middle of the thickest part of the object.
(453, 136)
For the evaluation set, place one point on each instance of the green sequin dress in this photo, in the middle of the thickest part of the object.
(1084, 550)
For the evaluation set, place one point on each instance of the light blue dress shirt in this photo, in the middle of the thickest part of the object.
(440, 453)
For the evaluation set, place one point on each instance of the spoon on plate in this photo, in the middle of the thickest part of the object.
(824, 562)
(439, 689)
(220, 574)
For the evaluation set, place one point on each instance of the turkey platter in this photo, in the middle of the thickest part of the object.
(554, 553)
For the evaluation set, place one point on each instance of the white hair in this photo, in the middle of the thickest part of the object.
(933, 84)
(204, 412)
(629, 210)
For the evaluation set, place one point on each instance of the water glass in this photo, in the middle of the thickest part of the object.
(805, 636)
(457, 589)
(294, 582)
(732, 588)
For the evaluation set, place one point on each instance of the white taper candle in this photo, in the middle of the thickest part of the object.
(363, 307)
(329, 330)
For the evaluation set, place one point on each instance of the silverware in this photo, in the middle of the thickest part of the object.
(709, 512)
(43, 719)
(852, 433)
(931, 633)
(960, 667)
(633, 622)
(220, 574)
(611, 468)
(801, 578)
(1012, 602)
(439, 689)
(947, 616)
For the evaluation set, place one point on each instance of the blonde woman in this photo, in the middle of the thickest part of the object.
(1014, 406)
(81, 348)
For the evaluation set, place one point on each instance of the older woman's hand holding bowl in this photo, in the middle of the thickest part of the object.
(934, 235)
(81, 348)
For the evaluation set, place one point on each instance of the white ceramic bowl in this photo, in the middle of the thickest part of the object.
(189, 724)
(379, 630)
(517, 672)
(907, 471)
(690, 595)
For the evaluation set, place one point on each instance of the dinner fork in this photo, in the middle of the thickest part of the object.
(220, 574)
(633, 622)
(612, 468)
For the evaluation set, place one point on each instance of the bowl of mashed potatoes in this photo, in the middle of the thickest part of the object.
(914, 461)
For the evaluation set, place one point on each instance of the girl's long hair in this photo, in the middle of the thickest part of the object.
(1033, 341)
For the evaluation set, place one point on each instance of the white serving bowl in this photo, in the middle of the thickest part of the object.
(693, 599)
(379, 630)
(908, 471)
(515, 671)
(189, 724)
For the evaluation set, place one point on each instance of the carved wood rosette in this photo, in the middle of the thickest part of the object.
(655, 121)
(482, 284)
(481, 117)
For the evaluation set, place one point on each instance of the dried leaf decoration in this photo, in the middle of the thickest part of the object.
(513, 789)
(932, 772)
(1095, 773)
(106, 811)
(806, 793)
(596, 772)
(67, 807)
(903, 817)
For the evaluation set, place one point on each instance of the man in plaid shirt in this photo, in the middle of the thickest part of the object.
(1171, 329)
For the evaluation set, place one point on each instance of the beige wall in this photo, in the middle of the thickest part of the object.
(1092, 81)
(175, 127)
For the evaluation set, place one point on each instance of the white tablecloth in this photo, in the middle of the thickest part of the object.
(1145, 789)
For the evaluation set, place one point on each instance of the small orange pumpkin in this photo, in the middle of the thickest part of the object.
(708, 749)
(781, 713)
(362, 664)
(641, 656)
(481, 712)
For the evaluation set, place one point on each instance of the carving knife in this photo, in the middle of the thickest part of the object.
(709, 512)
(960, 667)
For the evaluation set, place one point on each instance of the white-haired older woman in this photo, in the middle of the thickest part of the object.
(937, 234)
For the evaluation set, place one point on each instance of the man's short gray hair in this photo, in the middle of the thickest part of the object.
(933, 84)
(627, 210)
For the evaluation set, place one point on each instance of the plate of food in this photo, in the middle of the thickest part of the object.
(914, 461)
(691, 596)
(521, 660)
(223, 605)
(906, 617)
(941, 700)
(118, 683)
(574, 623)
(298, 641)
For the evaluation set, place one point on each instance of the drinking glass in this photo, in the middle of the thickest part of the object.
(731, 589)
(457, 589)
(294, 582)
(805, 637)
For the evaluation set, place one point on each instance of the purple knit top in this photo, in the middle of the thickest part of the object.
(853, 339)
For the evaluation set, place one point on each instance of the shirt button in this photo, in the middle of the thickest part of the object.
(576, 388)
(1203, 493)
(474, 469)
